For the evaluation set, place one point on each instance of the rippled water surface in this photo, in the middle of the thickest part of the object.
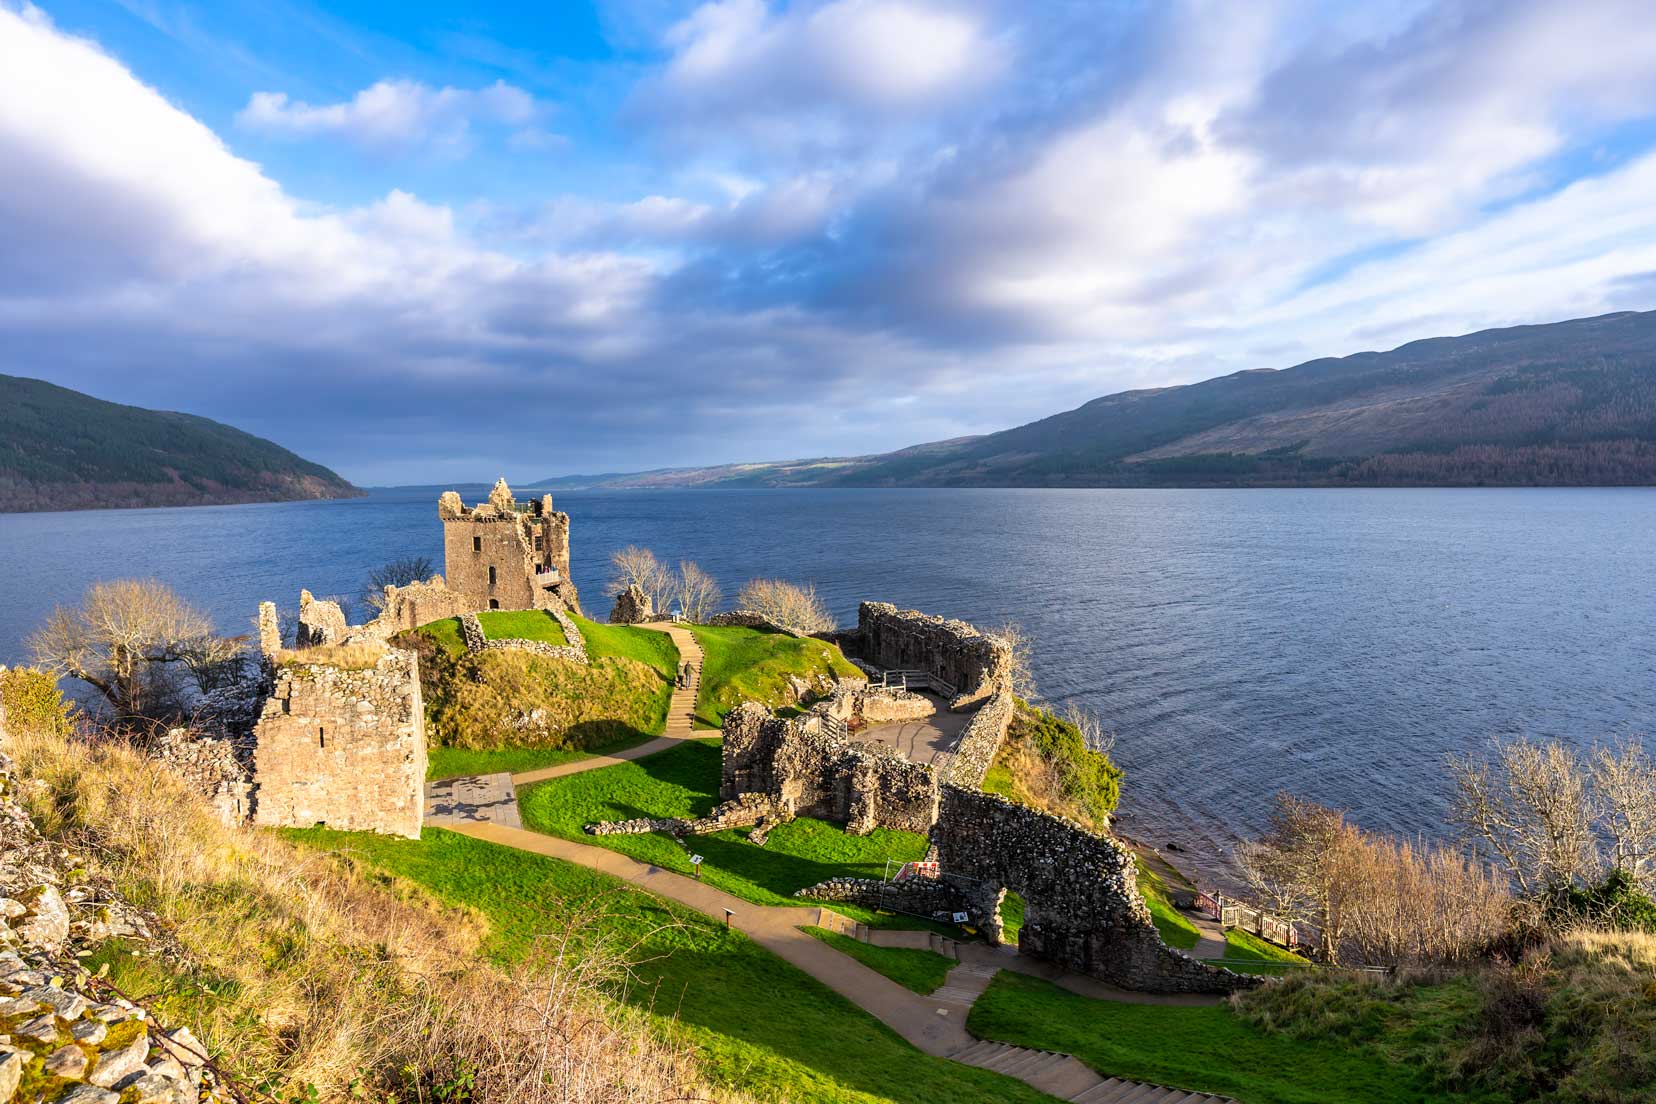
(1333, 643)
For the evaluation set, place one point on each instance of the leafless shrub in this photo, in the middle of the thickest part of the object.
(635, 566)
(397, 573)
(129, 640)
(1091, 728)
(1020, 669)
(1372, 899)
(1623, 806)
(696, 593)
(787, 604)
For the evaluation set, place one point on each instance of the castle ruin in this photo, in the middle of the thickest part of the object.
(498, 556)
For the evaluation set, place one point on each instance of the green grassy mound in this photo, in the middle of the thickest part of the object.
(683, 782)
(522, 625)
(763, 1028)
(445, 635)
(515, 711)
(1206, 1048)
(921, 971)
(743, 664)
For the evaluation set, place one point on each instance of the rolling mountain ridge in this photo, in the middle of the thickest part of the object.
(62, 450)
(1565, 403)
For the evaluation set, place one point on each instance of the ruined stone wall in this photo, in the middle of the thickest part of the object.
(342, 747)
(218, 768)
(975, 663)
(519, 546)
(919, 896)
(978, 745)
(751, 619)
(409, 607)
(632, 607)
(1082, 908)
(810, 772)
(320, 622)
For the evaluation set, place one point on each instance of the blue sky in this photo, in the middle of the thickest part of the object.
(425, 242)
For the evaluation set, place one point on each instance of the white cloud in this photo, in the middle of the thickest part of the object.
(398, 114)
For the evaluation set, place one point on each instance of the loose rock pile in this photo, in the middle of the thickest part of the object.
(64, 1037)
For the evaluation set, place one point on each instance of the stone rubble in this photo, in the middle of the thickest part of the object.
(632, 607)
(63, 1039)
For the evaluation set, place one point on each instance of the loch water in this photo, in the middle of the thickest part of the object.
(1333, 643)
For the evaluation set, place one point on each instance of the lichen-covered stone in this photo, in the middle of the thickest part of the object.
(68, 1062)
(122, 1062)
(11, 1071)
(88, 1094)
(46, 922)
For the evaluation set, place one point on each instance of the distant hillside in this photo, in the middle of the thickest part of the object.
(1569, 403)
(62, 450)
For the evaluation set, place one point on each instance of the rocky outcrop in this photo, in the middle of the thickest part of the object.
(65, 1036)
(632, 607)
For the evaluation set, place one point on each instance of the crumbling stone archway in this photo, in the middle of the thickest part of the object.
(1082, 908)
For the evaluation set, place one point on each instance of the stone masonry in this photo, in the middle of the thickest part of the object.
(982, 740)
(1082, 908)
(810, 770)
(342, 746)
(632, 607)
(502, 557)
(975, 663)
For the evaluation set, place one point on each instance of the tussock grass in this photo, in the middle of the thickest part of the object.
(303, 969)
(350, 657)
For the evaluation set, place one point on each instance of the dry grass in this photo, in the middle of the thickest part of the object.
(351, 657)
(318, 975)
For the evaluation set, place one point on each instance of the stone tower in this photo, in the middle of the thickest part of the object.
(503, 554)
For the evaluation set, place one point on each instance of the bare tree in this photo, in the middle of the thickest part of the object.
(635, 566)
(1020, 667)
(127, 639)
(397, 573)
(695, 592)
(1531, 808)
(787, 604)
(1624, 807)
(1301, 866)
(1091, 728)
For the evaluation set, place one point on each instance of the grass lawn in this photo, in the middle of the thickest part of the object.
(1176, 929)
(743, 664)
(1246, 953)
(764, 1028)
(522, 625)
(1209, 1049)
(683, 782)
(451, 762)
(921, 971)
(647, 646)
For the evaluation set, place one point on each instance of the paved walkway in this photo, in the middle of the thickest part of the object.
(472, 799)
(485, 808)
(681, 712)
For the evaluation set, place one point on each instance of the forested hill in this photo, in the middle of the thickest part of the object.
(1568, 403)
(62, 450)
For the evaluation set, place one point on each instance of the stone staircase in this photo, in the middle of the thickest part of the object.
(1055, 1074)
(681, 711)
(1062, 1076)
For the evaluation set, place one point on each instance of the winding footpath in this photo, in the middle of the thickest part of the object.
(934, 1024)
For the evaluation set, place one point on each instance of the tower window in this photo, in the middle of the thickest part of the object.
(477, 544)
(540, 542)
(321, 737)
(491, 575)
(494, 603)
